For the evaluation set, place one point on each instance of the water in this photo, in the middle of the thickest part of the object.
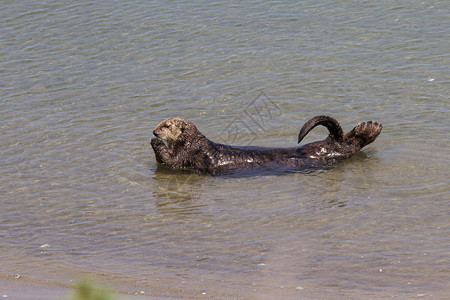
(83, 84)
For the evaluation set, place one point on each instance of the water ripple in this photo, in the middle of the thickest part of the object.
(84, 84)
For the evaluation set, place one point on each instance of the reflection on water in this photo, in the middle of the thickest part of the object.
(84, 84)
(177, 192)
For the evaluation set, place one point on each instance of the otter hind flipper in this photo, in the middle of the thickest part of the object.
(330, 123)
(363, 134)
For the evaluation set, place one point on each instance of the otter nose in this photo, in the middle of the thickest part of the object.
(154, 133)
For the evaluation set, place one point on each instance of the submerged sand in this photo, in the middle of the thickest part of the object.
(26, 288)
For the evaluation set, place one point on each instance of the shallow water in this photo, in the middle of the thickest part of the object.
(83, 85)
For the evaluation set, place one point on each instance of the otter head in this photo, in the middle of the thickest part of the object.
(171, 131)
(176, 141)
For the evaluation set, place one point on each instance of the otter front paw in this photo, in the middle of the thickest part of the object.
(156, 142)
(161, 151)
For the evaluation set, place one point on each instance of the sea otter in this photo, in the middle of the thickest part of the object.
(179, 145)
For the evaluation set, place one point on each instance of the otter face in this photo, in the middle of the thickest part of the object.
(175, 143)
(170, 131)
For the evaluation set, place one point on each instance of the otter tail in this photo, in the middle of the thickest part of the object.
(330, 123)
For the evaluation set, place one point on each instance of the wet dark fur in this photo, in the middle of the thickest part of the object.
(179, 145)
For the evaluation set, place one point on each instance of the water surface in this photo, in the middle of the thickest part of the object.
(83, 84)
